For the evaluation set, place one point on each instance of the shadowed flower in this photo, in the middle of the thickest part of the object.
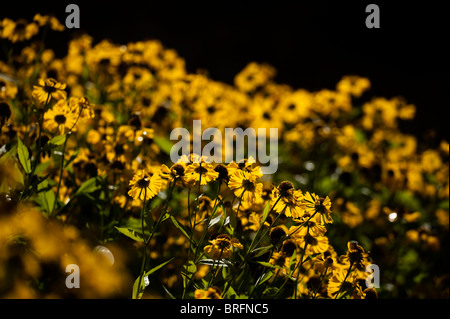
(287, 200)
(47, 89)
(316, 204)
(222, 246)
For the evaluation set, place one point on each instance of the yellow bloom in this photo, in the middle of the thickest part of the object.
(222, 247)
(287, 200)
(18, 31)
(82, 105)
(60, 118)
(316, 204)
(254, 75)
(48, 20)
(200, 171)
(211, 293)
(47, 89)
(355, 256)
(245, 185)
(353, 85)
(145, 186)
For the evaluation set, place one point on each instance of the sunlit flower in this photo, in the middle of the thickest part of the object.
(60, 118)
(245, 185)
(144, 185)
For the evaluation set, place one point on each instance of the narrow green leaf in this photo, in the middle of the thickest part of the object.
(179, 226)
(266, 264)
(265, 277)
(151, 271)
(24, 158)
(168, 292)
(265, 213)
(130, 233)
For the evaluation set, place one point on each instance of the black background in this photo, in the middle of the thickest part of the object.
(311, 44)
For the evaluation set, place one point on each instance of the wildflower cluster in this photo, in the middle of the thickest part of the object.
(85, 161)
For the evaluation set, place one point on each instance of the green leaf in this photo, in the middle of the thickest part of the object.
(265, 277)
(58, 140)
(46, 197)
(180, 227)
(265, 213)
(88, 186)
(24, 156)
(266, 264)
(139, 283)
(164, 144)
(187, 271)
(151, 271)
(130, 233)
(168, 292)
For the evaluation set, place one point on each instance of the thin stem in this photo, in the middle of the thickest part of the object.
(61, 169)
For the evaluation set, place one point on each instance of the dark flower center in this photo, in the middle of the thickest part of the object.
(248, 185)
(60, 119)
(143, 182)
(201, 170)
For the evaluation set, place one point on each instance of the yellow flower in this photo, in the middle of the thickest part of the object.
(200, 171)
(254, 75)
(82, 106)
(245, 185)
(48, 20)
(222, 247)
(340, 282)
(211, 293)
(18, 31)
(353, 85)
(287, 200)
(145, 186)
(355, 256)
(60, 118)
(47, 89)
(316, 204)
(431, 161)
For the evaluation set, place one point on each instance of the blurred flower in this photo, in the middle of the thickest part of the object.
(211, 293)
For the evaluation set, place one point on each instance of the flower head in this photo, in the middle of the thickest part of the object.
(47, 89)
(222, 246)
(60, 118)
(245, 186)
(286, 199)
(144, 185)
(316, 204)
